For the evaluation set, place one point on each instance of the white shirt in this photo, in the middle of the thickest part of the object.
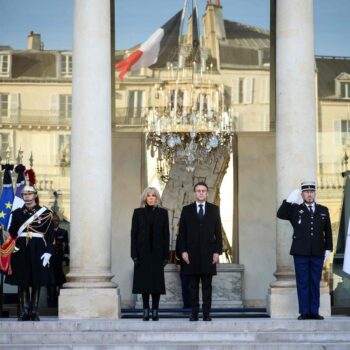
(203, 204)
(313, 206)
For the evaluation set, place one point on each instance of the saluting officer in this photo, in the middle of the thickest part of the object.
(32, 227)
(312, 244)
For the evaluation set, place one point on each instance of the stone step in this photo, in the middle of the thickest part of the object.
(189, 337)
(332, 333)
(184, 346)
(177, 325)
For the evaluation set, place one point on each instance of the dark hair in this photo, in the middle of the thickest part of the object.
(200, 183)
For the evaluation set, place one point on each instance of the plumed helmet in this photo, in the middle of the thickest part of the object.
(29, 189)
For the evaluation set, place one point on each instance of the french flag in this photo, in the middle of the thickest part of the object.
(155, 50)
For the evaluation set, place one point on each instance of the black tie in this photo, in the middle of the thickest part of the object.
(310, 210)
(201, 212)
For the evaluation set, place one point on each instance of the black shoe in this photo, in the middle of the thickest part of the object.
(303, 317)
(206, 317)
(35, 316)
(25, 316)
(194, 317)
(316, 317)
(155, 316)
(145, 316)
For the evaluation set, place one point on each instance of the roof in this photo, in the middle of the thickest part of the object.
(5, 48)
(245, 46)
(328, 69)
(41, 64)
(242, 35)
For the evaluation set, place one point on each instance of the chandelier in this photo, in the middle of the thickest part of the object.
(189, 121)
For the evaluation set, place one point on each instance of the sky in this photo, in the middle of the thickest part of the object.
(138, 19)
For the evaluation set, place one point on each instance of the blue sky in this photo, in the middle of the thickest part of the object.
(137, 19)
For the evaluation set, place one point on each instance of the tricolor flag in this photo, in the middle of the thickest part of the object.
(343, 243)
(7, 197)
(346, 263)
(20, 183)
(6, 242)
(155, 49)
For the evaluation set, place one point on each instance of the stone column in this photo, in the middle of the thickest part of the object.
(295, 134)
(89, 292)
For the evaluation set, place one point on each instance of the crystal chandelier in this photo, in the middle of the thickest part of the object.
(189, 121)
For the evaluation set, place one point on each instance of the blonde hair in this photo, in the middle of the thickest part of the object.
(147, 191)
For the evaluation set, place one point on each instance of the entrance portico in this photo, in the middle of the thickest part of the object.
(89, 292)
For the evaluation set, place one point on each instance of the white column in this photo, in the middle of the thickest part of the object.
(295, 132)
(89, 292)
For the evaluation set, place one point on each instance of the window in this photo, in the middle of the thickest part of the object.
(345, 89)
(4, 105)
(4, 144)
(4, 65)
(135, 104)
(66, 65)
(64, 150)
(342, 131)
(65, 106)
(243, 90)
(265, 90)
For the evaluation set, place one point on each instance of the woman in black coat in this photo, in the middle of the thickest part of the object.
(149, 250)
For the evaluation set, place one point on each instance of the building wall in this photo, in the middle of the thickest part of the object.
(127, 185)
(257, 214)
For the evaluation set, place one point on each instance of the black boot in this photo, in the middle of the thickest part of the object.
(145, 316)
(24, 301)
(52, 296)
(35, 303)
(155, 316)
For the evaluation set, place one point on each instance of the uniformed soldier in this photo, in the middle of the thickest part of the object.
(312, 244)
(32, 227)
(60, 254)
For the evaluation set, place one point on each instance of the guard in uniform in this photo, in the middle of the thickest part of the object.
(32, 228)
(312, 244)
(60, 254)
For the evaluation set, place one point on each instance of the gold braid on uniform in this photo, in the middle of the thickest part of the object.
(40, 222)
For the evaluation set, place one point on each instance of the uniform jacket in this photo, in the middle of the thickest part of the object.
(61, 252)
(312, 235)
(151, 252)
(26, 263)
(200, 238)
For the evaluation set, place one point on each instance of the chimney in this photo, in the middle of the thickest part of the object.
(34, 41)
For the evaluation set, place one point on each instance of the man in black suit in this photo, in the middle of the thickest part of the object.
(200, 244)
(312, 244)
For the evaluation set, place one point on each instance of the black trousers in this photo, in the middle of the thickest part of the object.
(206, 292)
(155, 300)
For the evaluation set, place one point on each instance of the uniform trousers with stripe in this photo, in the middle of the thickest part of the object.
(308, 272)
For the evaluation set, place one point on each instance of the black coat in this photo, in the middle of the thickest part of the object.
(200, 238)
(61, 252)
(311, 236)
(151, 248)
(26, 263)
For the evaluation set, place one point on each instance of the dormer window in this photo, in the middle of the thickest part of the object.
(66, 65)
(345, 89)
(4, 65)
(342, 86)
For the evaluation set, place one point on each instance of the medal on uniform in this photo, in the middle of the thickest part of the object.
(300, 212)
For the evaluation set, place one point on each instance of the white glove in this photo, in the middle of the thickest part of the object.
(46, 258)
(294, 197)
(326, 254)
